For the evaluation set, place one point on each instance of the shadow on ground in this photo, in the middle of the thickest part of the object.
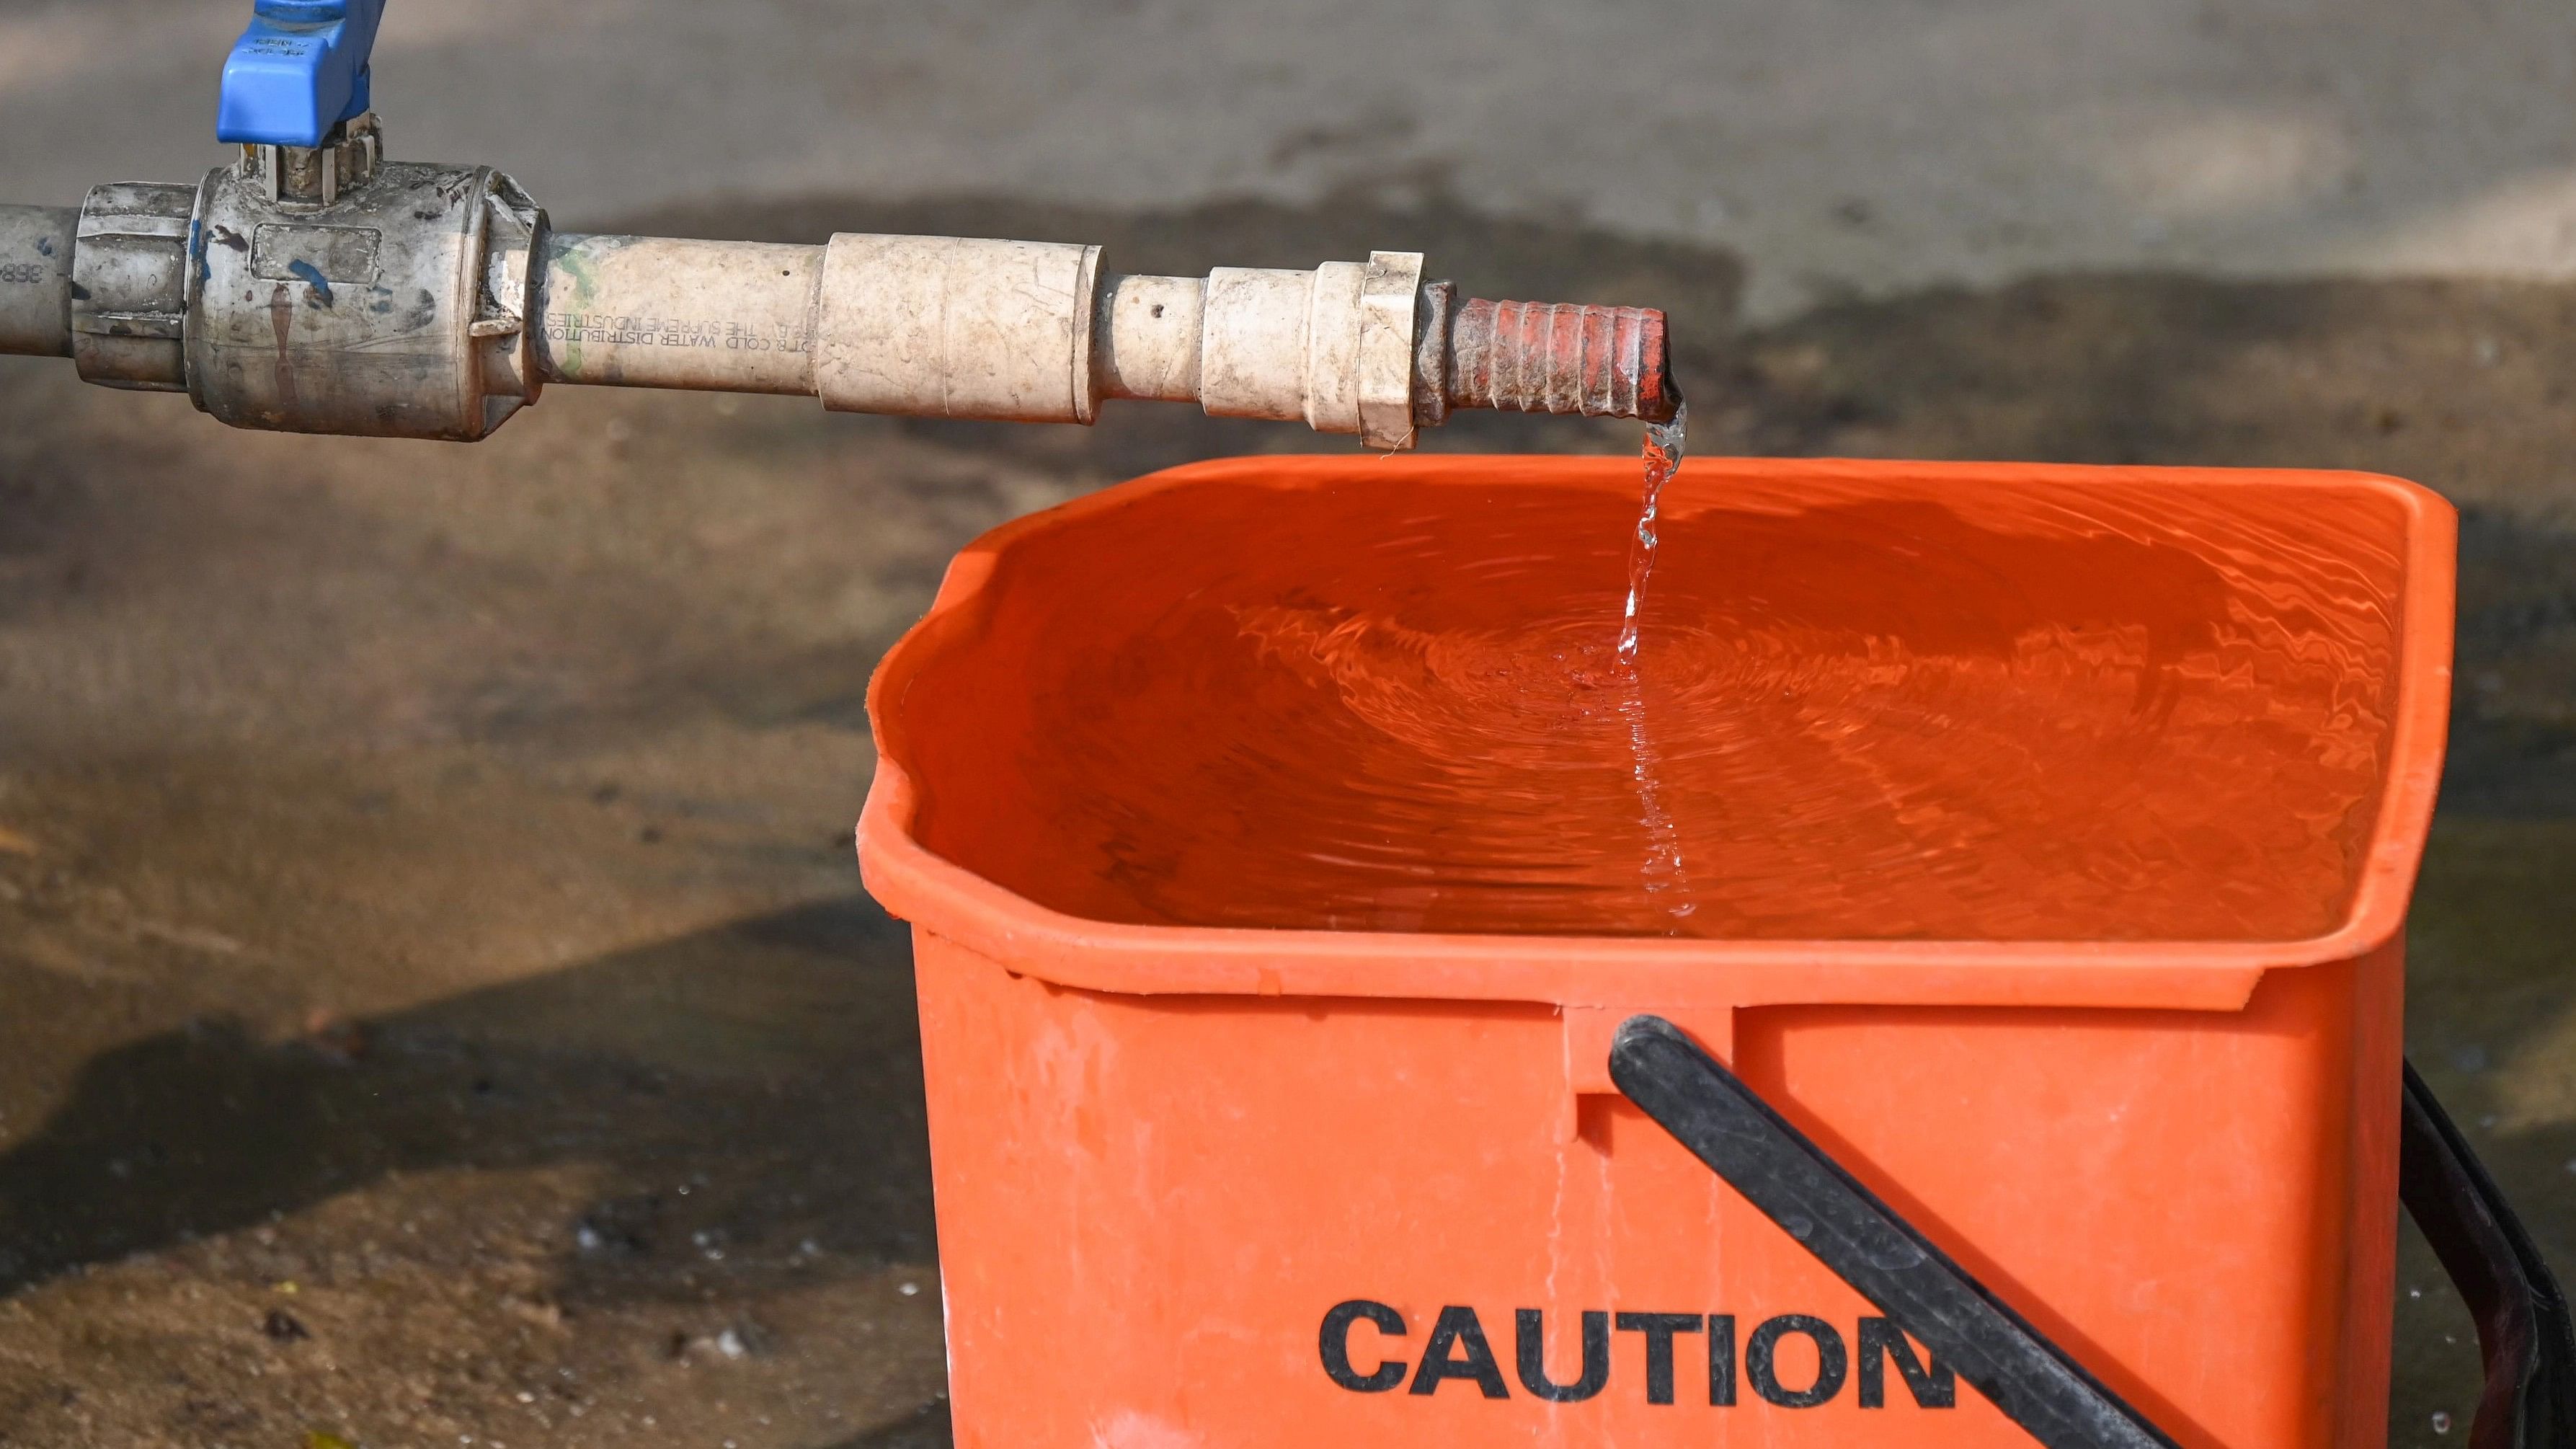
(436, 1004)
(670, 1148)
(635, 1064)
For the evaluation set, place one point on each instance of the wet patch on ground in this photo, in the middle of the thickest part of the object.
(434, 997)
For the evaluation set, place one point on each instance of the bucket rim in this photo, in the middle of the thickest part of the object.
(956, 904)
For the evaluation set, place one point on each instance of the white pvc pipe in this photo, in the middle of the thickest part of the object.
(1147, 340)
(964, 327)
(36, 279)
(632, 311)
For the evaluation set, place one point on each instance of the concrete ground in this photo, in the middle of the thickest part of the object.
(435, 999)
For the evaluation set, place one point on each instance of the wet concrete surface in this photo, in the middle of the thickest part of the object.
(435, 996)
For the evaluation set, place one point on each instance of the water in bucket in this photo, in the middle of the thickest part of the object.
(1405, 710)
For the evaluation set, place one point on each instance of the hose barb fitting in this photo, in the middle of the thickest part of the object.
(1548, 357)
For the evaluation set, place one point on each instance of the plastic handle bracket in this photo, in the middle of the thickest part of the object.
(299, 70)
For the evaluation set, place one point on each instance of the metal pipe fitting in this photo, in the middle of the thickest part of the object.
(314, 176)
(1555, 357)
(131, 284)
(398, 311)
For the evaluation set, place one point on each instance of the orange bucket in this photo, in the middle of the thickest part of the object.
(2087, 959)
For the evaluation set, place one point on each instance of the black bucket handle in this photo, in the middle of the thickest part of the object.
(2523, 1326)
(2523, 1322)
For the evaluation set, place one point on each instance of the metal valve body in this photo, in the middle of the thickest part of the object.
(399, 310)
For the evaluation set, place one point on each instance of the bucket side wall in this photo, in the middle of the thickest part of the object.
(2376, 1065)
(1148, 1206)
(2200, 1206)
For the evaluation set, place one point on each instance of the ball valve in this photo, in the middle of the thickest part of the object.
(317, 285)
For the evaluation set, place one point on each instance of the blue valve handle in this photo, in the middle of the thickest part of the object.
(298, 71)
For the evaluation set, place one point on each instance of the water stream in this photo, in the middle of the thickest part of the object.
(1663, 876)
(1665, 443)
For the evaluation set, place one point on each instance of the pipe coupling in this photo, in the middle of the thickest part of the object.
(131, 286)
(958, 327)
(1334, 346)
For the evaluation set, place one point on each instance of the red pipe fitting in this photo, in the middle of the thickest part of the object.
(1556, 357)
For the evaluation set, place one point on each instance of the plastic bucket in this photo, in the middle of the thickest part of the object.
(1232, 1186)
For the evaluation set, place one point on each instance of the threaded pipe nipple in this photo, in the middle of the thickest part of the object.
(1559, 357)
